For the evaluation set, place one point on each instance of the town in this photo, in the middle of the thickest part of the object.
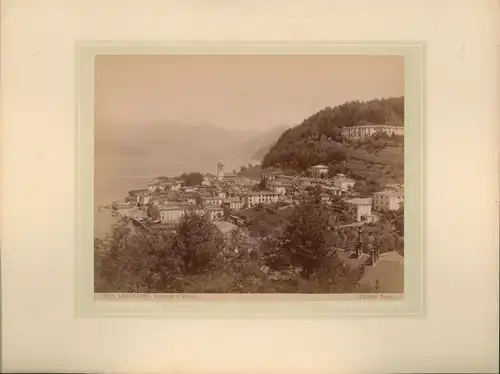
(222, 196)
(225, 198)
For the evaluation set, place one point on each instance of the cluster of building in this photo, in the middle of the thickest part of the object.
(362, 132)
(390, 199)
(166, 199)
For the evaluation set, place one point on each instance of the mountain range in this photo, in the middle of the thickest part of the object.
(171, 148)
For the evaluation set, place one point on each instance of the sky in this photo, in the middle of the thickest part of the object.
(236, 92)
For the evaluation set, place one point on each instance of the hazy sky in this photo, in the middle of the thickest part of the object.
(236, 92)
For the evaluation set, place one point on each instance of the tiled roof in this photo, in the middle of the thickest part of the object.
(319, 166)
(391, 193)
(224, 227)
(359, 201)
(374, 126)
(387, 276)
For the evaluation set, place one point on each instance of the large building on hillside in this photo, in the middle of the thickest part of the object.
(365, 131)
(386, 201)
(318, 170)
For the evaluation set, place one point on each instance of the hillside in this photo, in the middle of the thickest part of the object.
(261, 144)
(317, 140)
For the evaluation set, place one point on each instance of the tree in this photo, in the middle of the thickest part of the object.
(133, 260)
(191, 179)
(399, 222)
(226, 212)
(263, 185)
(308, 239)
(198, 244)
(318, 138)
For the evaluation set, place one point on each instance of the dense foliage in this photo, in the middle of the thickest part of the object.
(250, 171)
(191, 179)
(274, 253)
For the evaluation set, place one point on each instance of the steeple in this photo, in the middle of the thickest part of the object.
(220, 170)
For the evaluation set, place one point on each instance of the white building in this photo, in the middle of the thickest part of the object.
(359, 208)
(386, 201)
(276, 186)
(189, 189)
(211, 201)
(174, 213)
(318, 170)
(337, 191)
(343, 182)
(365, 131)
(262, 197)
(143, 198)
(394, 187)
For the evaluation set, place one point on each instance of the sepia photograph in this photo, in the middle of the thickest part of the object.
(249, 174)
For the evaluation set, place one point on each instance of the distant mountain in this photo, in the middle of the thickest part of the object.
(264, 142)
(171, 148)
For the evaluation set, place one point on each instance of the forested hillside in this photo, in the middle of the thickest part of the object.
(318, 141)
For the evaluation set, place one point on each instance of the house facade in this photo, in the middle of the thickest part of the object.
(318, 170)
(360, 209)
(387, 201)
(394, 187)
(262, 197)
(230, 178)
(365, 131)
(174, 213)
(343, 183)
(211, 200)
(276, 186)
(233, 203)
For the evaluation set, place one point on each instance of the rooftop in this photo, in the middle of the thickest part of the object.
(319, 166)
(394, 185)
(253, 193)
(359, 201)
(230, 199)
(387, 276)
(391, 193)
(372, 126)
(211, 198)
(224, 226)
